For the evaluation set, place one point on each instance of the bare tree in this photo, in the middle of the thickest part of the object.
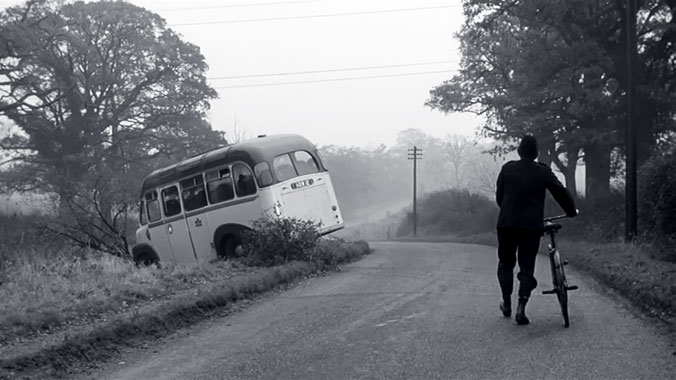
(457, 150)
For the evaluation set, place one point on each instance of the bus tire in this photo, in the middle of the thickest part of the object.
(228, 239)
(228, 247)
(145, 256)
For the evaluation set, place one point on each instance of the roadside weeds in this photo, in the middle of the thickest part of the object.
(102, 341)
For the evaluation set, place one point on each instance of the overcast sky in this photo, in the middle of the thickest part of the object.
(251, 38)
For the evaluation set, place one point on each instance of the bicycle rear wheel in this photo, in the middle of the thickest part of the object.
(561, 287)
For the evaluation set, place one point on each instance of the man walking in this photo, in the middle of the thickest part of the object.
(520, 193)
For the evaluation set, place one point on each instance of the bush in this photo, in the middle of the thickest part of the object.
(658, 195)
(278, 241)
(601, 220)
(452, 211)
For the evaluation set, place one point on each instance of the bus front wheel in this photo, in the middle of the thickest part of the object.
(145, 259)
(230, 247)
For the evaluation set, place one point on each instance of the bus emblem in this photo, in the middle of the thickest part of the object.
(198, 222)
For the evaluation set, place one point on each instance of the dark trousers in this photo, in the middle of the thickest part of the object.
(527, 243)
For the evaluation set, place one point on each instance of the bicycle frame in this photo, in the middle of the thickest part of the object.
(556, 264)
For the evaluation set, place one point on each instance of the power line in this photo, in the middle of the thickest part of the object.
(315, 16)
(333, 70)
(332, 80)
(242, 5)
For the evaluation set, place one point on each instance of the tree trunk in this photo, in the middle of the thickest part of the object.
(568, 170)
(597, 171)
(547, 149)
(645, 143)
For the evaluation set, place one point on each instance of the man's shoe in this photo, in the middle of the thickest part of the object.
(520, 316)
(506, 308)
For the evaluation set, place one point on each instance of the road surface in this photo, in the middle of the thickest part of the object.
(413, 311)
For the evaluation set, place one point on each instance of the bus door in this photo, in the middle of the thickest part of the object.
(195, 202)
(157, 235)
(176, 227)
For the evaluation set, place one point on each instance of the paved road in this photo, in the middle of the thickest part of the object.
(413, 311)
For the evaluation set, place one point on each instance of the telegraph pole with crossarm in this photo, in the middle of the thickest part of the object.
(415, 154)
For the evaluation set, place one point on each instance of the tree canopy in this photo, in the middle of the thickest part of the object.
(557, 69)
(87, 83)
(97, 94)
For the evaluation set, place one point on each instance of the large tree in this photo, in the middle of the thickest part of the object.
(557, 69)
(99, 94)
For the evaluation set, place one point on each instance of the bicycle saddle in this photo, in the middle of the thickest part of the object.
(552, 227)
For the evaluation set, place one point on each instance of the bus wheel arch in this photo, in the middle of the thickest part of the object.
(145, 255)
(227, 239)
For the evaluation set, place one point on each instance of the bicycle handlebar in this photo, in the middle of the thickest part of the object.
(553, 218)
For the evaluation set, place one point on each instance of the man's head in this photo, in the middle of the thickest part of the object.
(528, 148)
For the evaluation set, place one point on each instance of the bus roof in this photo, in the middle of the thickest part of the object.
(251, 152)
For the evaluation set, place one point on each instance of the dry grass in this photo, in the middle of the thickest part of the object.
(136, 304)
(42, 291)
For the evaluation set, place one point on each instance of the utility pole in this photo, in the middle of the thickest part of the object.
(415, 154)
(630, 204)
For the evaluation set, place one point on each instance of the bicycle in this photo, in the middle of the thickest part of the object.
(559, 281)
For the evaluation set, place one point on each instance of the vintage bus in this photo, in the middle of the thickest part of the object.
(196, 210)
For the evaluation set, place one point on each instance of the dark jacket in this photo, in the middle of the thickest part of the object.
(521, 194)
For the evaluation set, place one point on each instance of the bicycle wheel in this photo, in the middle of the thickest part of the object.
(561, 285)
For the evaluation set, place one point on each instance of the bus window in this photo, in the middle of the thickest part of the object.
(263, 174)
(153, 207)
(283, 167)
(172, 203)
(245, 184)
(219, 186)
(142, 213)
(305, 163)
(194, 196)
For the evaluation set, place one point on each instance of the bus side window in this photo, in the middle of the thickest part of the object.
(245, 184)
(283, 167)
(153, 207)
(219, 186)
(305, 163)
(263, 174)
(194, 196)
(172, 203)
(142, 213)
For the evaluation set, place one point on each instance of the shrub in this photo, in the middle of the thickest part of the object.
(278, 241)
(658, 195)
(600, 219)
(452, 211)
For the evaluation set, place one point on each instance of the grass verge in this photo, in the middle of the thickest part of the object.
(197, 294)
(630, 269)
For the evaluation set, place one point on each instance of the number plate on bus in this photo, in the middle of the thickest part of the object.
(301, 184)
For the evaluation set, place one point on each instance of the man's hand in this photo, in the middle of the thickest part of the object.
(573, 214)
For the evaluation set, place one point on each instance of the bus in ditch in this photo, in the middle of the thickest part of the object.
(197, 210)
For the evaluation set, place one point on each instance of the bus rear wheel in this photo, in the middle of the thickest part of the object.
(230, 247)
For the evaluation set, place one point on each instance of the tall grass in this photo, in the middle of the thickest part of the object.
(45, 285)
(43, 292)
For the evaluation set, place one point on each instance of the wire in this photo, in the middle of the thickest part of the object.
(333, 80)
(333, 70)
(197, 8)
(315, 16)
